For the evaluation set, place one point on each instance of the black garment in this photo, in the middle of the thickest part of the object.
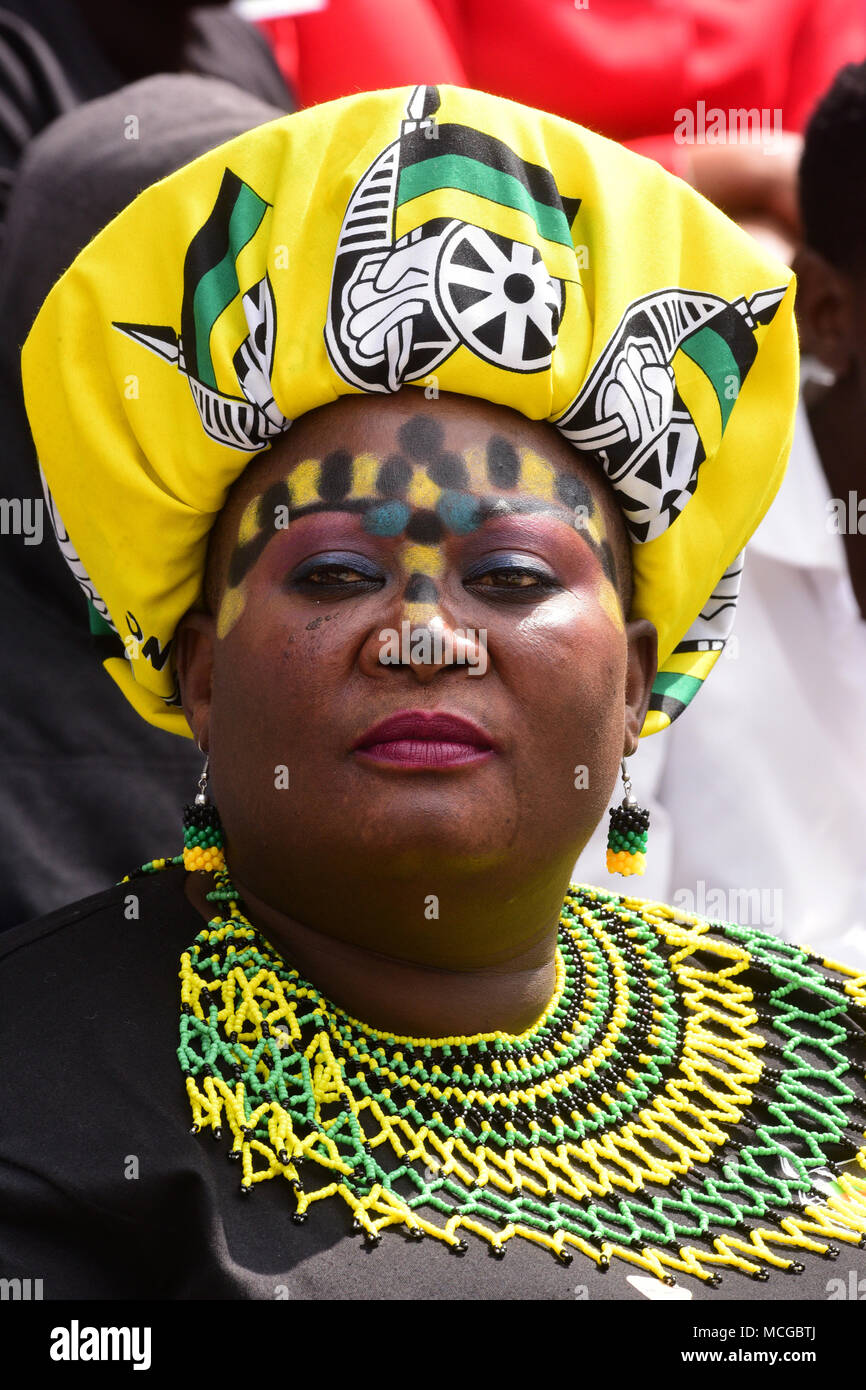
(86, 786)
(91, 1087)
(50, 62)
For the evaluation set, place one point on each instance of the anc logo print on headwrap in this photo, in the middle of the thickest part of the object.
(210, 286)
(400, 305)
(638, 416)
(631, 415)
(650, 425)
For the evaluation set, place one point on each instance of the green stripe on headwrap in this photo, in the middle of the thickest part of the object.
(458, 171)
(713, 355)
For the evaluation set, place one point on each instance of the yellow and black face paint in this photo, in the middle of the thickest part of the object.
(420, 494)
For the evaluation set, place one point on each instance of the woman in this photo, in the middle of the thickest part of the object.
(415, 637)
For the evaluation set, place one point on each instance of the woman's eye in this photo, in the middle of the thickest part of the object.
(335, 574)
(512, 579)
(518, 580)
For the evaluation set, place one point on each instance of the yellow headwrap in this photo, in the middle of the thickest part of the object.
(434, 236)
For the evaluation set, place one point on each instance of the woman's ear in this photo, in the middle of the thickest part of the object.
(193, 655)
(641, 672)
(824, 311)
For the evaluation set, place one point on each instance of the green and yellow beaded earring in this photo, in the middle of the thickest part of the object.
(202, 831)
(627, 834)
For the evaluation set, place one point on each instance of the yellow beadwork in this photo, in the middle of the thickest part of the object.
(684, 1123)
(207, 859)
(625, 863)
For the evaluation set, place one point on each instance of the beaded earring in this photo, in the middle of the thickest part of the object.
(627, 834)
(202, 831)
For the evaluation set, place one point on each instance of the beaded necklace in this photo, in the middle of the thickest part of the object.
(660, 1112)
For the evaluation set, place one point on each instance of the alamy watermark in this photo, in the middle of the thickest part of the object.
(847, 518)
(737, 125)
(751, 907)
(20, 1290)
(77, 1343)
(22, 516)
(434, 644)
(853, 1288)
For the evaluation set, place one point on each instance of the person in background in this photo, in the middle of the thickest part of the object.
(781, 735)
(641, 73)
(71, 156)
(56, 54)
(74, 758)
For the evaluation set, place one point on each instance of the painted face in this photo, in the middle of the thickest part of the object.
(420, 496)
(452, 514)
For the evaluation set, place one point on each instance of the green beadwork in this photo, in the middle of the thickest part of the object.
(606, 944)
(630, 841)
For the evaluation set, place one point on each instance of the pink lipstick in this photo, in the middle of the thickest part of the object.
(419, 739)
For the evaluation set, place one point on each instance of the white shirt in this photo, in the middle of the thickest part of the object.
(762, 780)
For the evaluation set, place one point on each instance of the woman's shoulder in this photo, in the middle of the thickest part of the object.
(104, 961)
(95, 1146)
(98, 916)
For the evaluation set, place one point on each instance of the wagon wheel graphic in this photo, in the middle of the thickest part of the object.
(499, 297)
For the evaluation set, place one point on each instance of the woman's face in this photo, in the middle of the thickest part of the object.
(411, 557)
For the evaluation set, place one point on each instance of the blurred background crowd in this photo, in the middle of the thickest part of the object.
(758, 795)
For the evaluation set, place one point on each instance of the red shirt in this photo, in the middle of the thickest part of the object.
(622, 67)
